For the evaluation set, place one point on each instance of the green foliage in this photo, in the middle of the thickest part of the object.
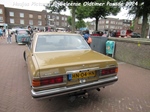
(140, 8)
(85, 11)
(97, 11)
(80, 24)
(69, 20)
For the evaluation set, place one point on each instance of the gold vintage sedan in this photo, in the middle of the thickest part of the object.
(63, 63)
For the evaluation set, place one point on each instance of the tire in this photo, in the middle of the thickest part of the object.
(24, 55)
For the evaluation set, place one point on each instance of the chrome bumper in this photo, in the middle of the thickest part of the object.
(65, 90)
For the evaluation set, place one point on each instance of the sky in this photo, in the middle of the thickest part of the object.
(37, 5)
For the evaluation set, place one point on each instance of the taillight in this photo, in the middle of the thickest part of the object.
(48, 81)
(109, 71)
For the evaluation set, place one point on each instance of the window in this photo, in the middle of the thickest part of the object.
(120, 23)
(39, 22)
(30, 22)
(101, 27)
(62, 24)
(106, 26)
(48, 16)
(65, 24)
(21, 21)
(112, 27)
(112, 22)
(57, 17)
(65, 18)
(57, 23)
(1, 19)
(21, 15)
(140, 20)
(39, 17)
(11, 13)
(52, 23)
(12, 21)
(53, 16)
(30, 15)
(1, 11)
(62, 18)
(107, 21)
(68, 42)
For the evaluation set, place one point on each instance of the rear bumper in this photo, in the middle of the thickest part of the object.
(65, 90)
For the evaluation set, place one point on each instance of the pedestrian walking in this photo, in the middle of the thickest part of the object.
(9, 37)
(1, 33)
(4, 32)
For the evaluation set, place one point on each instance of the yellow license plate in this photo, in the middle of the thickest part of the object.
(83, 74)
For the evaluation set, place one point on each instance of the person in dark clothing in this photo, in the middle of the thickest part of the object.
(30, 31)
(86, 36)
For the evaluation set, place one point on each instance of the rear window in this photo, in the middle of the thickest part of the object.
(60, 42)
(22, 32)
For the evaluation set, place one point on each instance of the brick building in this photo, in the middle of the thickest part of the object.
(110, 24)
(138, 25)
(21, 18)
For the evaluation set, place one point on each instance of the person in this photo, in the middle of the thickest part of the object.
(86, 36)
(4, 33)
(1, 33)
(30, 32)
(9, 37)
(105, 34)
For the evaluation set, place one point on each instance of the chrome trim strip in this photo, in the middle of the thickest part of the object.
(66, 90)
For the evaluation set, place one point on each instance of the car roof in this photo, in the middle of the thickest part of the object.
(55, 33)
(21, 29)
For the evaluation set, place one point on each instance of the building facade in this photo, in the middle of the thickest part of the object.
(23, 18)
(138, 25)
(110, 24)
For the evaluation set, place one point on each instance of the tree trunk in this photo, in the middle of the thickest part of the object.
(73, 18)
(96, 22)
(144, 25)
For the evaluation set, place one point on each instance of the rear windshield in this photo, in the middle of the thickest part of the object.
(60, 42)
(22, 32)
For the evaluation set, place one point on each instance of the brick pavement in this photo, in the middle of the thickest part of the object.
(130, 94)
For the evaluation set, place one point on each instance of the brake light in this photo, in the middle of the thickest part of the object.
(109, 71)
(42, 82)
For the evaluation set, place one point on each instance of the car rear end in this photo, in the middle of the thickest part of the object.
(65, 78)
(22, 36)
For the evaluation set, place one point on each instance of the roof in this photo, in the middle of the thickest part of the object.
(55, 33)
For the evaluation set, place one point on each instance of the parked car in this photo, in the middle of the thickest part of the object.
(123, 33)
(135, 35)
(22, 35)
(61, 63)
(97, 33)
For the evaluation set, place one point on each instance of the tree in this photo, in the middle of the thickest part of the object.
(80, 24)
(59, 5)
(97, 11)
(69, 20)
(85, 10)
(140, 8)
